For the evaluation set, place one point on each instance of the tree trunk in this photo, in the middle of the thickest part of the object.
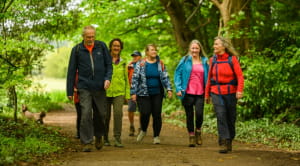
(12, 102)
(227, 8)
(183, 33)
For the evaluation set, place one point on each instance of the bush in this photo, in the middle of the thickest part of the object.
(25, 140)
(271, 86)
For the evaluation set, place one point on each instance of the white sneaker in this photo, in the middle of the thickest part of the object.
(156, 140)
(141, 136)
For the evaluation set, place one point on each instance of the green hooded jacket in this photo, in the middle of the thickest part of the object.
(119, 85)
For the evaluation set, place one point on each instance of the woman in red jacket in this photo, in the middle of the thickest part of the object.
(225, 86)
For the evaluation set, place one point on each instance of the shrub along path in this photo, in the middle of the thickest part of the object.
(173, 150)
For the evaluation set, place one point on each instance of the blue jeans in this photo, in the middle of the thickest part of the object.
(189, 102)
(150, 105)
(89, 127)
(226, 114)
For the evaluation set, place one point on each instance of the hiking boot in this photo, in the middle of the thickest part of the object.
(118, 143)
(141, 136)
(99, 143)
(156, 140)
(198, 137)
(131, 131)
(192, 140)
(106, 142)
(87, 148)
(223, 146)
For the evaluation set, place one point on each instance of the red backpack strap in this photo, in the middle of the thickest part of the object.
(162, 65)
(143, 61)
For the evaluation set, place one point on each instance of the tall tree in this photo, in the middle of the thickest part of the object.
(25, 32)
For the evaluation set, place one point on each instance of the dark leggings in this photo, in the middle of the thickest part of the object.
(150, 105)
(188, 102)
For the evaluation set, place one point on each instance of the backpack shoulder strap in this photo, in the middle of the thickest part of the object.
(185, 58)
(214, 60)
(142, 62)
(77, 51)
(162, 65)
(230, 62)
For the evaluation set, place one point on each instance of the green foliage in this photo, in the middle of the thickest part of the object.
(38, 100)
(271, 88)
(136, 22)
(259, 131)
(57, 63)
(24, 141)
(263, 131)
(58, 96)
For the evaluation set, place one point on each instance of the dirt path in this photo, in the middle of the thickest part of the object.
(172, 151)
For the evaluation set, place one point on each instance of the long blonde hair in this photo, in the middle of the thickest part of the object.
(195, 41)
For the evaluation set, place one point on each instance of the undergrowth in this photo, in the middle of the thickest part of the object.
(261, 131)
(25, 141)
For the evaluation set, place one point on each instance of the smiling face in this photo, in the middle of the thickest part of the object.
(195, 49)
(89, 37)
(151, 52)
(115, 48)
(219, 47)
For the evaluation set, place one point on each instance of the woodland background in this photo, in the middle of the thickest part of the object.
(36, 37)
(265, 33)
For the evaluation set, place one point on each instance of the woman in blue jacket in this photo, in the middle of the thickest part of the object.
(150, 79)
(190, 79)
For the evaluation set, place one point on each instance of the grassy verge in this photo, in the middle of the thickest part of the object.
(27, 141)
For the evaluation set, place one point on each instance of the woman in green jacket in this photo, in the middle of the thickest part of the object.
(118, 91)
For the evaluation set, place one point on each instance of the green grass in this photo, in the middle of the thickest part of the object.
(27, 140)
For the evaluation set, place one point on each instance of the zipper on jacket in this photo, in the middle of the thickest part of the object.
(92, 63)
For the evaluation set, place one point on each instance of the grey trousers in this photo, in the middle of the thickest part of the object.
(88, 127)
(117, 104)
(226, 114)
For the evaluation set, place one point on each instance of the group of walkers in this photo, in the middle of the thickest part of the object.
(99, 79)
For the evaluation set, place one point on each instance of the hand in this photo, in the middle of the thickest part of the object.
(179, 93)
(239, 95)
(170, 94)
(133, 98)
(106, 84)
(70, 97)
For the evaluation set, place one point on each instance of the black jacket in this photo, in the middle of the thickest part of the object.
(88, 78)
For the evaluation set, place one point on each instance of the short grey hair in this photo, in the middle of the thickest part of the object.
(88, 27)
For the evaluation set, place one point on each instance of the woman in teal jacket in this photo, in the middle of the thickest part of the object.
(190, 79)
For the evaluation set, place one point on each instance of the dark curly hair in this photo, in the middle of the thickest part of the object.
(116, 39)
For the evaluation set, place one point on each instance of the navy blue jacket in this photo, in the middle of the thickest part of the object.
(88, 78)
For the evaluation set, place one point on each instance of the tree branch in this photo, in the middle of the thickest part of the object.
(202, 25)
(5, 7)
(8, 62)
(194, 12)
(217, 3)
